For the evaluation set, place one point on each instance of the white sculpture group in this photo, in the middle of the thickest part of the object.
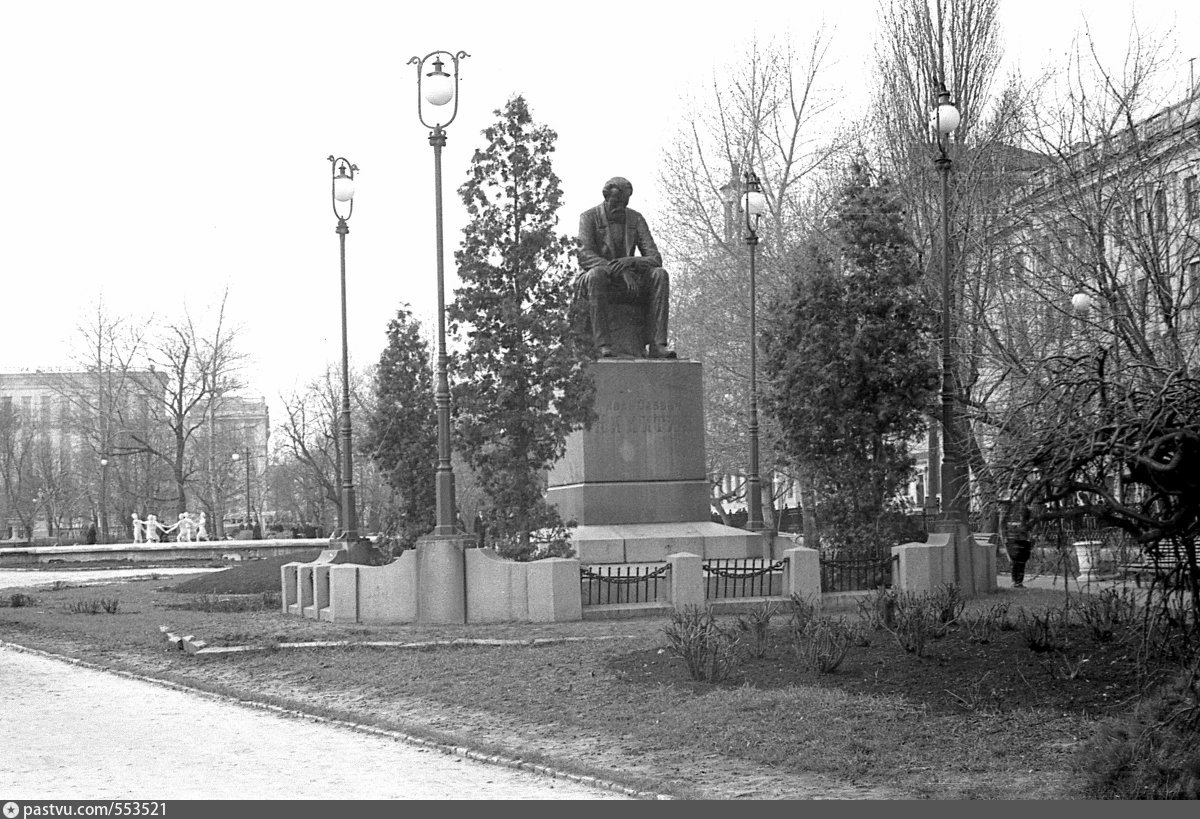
(189, 529)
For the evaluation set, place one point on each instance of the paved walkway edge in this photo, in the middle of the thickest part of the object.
(399, 736)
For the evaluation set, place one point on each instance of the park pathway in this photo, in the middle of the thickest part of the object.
(71, 732)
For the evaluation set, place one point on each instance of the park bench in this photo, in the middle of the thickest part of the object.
(1170, 567)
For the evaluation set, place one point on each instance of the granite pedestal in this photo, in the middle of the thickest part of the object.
(636, 481)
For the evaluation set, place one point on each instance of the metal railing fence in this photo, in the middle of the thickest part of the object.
(726, 578)
(607, 585)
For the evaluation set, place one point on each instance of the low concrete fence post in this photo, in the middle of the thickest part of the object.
(321, 590)
(984, 561)
(553, 585)
(343, 594)
(803, 575)
(289, 578)
(304, 586)
(687, 579)
(922, 567)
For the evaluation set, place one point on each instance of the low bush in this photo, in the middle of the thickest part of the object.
(20, 599)
(90, 606)
(802, 611)
(710, 651)
(1044, 631)
(1108, 613)
(756, 622)
(948, 603)
(915, 622)
(824, 643)
(1003, 621)
(879, 610)
(980, 626)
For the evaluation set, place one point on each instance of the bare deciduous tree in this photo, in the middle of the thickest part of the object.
(762, 115)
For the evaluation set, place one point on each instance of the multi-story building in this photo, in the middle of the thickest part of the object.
(80, 447)
(1100, 257)
(239, 426)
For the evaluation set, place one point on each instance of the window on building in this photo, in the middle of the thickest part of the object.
(1160, 211)
(1117, 228)
(1191, 198)
(1139, 214)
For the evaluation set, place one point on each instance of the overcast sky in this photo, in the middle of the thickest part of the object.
(160, 152)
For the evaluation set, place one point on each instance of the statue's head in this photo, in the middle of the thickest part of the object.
(615, 184)
(616, 196)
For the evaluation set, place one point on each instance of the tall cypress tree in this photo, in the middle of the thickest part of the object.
(521, 384)
(401, 434)
(849, 360)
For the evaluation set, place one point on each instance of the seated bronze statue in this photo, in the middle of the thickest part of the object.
(609, 236)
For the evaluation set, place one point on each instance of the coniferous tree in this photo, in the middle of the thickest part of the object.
(401, 436)
(848, 361)
(521, 383)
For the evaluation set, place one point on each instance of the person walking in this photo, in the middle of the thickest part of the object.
(1018, 539)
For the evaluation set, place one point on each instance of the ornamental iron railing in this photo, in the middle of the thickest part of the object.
(607, 585)
(842, 571)
(726, 578)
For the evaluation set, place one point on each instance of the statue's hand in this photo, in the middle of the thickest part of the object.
(631, 282)
(621, 266)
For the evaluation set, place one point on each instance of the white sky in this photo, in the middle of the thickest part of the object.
(158, 152)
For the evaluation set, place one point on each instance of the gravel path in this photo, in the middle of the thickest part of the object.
(39, 578)
(72, 732)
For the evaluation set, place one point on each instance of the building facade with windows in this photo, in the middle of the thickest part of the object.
(1098, 261)
(81, 449)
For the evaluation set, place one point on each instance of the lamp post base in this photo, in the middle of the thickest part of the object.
(357, 551)
(973, 562)
(442, 578)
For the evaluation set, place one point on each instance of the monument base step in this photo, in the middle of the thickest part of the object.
(652, 542)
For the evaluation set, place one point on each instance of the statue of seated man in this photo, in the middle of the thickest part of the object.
(609, 236)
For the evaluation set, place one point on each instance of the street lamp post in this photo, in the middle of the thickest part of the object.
(103, 500)
(955, 501)
(343, 191)
(441, 558)
(438, 89)
(244, 455)
(754, 204)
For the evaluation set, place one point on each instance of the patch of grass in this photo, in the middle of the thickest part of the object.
(263, 601)
(966, 719)
(247, 577)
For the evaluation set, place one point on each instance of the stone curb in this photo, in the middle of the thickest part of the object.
(399, 736)
(193, 646)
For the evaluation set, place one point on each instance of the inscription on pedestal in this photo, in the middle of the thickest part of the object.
(649, 426)
(642, 460)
